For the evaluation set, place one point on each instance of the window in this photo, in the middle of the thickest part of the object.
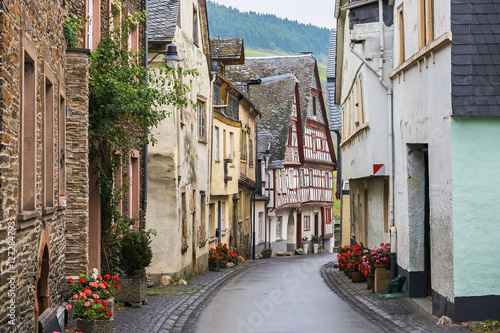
(261, 228)
(48, 139)
(211, 219)
(328, 181)
(231, 148)
(314, 105)
(307, 223)
(62, 144)
(279, 220)
(243, 144)
(202, 121)
(216, 144)
(425, 23)
(401, 35)
(195, 26)
(311, 177)
(302, 178)
(291, 180)
(283, 181)
(250, 150)
(203, 216)
(28, 128)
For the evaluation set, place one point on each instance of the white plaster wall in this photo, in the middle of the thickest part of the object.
(370, 148)
(179, 154)
(422, 109)
(375, 227)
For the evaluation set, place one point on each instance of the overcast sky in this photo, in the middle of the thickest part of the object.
(315, 12)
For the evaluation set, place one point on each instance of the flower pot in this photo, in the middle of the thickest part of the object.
(94, 326)
(315, 247)
(349, 274)
(266, 254)
(382, 265)
(305, 246)
(132, 290)
(214, 266)
(358, 277)
(222, 265)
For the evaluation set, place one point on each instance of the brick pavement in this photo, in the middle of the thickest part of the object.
(178, 307)
(392, 315)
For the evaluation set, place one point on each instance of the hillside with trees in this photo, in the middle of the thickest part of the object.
(268, 32)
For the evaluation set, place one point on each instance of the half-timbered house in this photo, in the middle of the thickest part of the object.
(294, 129)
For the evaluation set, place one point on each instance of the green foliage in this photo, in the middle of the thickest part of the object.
(336, 230)
(123, 108)
(267, 31)
(71, 28)
(135, 251)
(316, 238)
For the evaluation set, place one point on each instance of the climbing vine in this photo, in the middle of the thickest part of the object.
(123, 108)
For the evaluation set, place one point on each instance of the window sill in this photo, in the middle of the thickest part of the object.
(212, 239)
(421, 55)
(217, 161)
(203, 141)
(26, 219)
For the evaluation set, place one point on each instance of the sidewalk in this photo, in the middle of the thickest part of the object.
(176, 308)
(392, 315)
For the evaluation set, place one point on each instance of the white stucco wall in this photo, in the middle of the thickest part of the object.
(422, 109)
(177, 162)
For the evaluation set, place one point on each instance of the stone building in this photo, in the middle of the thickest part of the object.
(43, 156)
(178, 175)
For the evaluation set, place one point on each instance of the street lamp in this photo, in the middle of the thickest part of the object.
(172, 54)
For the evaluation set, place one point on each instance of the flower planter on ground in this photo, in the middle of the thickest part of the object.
(381, 265)
(213, 266)
(305, 246)
(358, 277)
(132, 290)
(94, 326)
(266, 255)
(315, 247)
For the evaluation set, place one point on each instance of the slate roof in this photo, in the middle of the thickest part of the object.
(475, 57)
(274, 98)
(162, 19)
(302, 66)
(226, 48)
(335, 118)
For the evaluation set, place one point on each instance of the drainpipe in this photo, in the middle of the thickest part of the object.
(379, 72)
(145, 183)
(339, 181)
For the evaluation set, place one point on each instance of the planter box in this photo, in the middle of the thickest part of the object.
(71, 322)
(94, 326)
(213, 266)
(132, 290)
(358, 277)
(267, 254)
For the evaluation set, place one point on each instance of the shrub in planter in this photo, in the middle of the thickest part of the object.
(135, 255)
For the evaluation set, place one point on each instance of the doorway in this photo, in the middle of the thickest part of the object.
(298, 241)
(419, 220)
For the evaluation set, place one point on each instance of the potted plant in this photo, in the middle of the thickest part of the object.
(316, 240)
(368, 269)
(305, 244)
(382, 256)
(91, 305)
(356, 263)
(218, 257)
(267, 252)
(135, 255)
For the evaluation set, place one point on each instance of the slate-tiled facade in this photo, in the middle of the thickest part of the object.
(475, 57)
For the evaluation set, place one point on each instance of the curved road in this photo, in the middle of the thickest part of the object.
(284, 295)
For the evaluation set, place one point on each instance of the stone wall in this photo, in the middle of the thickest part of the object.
(77, 162)
(24, 24)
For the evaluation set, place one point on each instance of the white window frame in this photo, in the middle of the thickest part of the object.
(279, 223)
(216, 144)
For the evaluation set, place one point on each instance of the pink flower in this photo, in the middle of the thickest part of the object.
(377, 260)
(95, 296)
(88, 292)
(75, 296)
(87, 304)
(93, 284)
(102, 285)
(68, 307)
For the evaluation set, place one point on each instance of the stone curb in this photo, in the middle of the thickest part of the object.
(391, 315)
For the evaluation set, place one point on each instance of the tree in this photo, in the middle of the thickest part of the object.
(123, 108)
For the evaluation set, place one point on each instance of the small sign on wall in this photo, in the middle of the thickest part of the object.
(379, 170)
(271, 212)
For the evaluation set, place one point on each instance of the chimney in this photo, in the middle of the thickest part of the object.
(305, 53)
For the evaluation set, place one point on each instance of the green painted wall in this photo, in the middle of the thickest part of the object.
(476, 205)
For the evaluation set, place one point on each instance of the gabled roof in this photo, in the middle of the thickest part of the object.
(227, 50)
(241, 73)
(274, 98)
(303, 67)
(162, 19)
(335, 118)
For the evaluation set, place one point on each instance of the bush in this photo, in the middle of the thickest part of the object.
(135, 251)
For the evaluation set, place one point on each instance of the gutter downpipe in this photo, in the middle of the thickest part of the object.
(379, 73)
(146, 56)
